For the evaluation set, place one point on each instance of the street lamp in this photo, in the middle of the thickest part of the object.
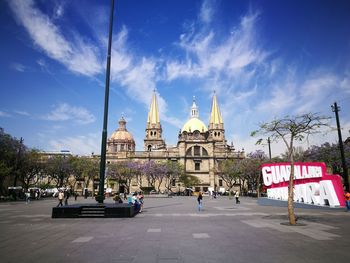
(336, 109)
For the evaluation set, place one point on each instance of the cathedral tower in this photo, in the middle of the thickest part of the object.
(153, 139)
(216, 125)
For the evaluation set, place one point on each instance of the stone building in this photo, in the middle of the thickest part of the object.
(200, 147)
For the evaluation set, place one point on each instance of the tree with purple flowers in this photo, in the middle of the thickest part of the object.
(121, 172)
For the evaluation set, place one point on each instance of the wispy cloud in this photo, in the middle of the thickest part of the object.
(76, 54)
(18, 67)
(235, 54)
(82, 145)
(65, 112)
(58, 10)
(5, 114)
(138, 74)
(23, 113)
(206, 12)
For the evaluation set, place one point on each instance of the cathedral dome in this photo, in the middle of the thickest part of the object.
(121, 140)
(194, 124)
(121, 135)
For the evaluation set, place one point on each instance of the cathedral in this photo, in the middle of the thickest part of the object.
(199, 149)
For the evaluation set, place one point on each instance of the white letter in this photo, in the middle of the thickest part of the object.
(327, 192)
(266, 171)
(304, 172)
(297, 172)
(275, 174)
(315, 193)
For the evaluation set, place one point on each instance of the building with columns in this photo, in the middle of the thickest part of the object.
(200, 147)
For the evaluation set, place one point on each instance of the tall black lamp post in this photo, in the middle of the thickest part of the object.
(335, 109)
(100, 197)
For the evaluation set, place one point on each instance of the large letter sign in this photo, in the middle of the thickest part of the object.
(312, 184)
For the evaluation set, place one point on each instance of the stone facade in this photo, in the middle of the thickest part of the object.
(199, 149)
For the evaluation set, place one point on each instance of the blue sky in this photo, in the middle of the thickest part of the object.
(264, 59)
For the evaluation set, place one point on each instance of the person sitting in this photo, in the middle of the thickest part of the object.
(140, 197)
(136, 202)
(117, 199)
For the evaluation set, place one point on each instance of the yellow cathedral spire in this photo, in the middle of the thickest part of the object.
(215, 115)
(153, 114)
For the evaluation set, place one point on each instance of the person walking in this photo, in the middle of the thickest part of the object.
(66, 196)
(60, 198)
(347, 201)
(237, 197)
(200, 201)
(27, 196)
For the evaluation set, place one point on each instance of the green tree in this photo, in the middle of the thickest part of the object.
(230, 171)
(59, 169)
(188, 180)
(31, 169)
(291, 129)
(8, 159)
(251, 169)
(174, 171)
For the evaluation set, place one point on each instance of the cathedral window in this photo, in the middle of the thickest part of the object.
(204, 152)
(173, 182)
(220, 182)
(215, 134)
(154, 133)
(197, 166)
(122, 147)
(218, 133)
(197, 150)
(189, 152)
(151, 133)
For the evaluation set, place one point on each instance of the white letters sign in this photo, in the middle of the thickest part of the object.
(312, 185)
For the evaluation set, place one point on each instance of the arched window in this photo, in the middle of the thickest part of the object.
(204, 152)
(197, 150)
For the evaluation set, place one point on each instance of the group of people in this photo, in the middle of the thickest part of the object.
(200, 200)
(63, 195)
(137, 200)
(31, 194)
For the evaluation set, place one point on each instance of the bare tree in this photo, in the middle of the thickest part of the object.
(291, 129)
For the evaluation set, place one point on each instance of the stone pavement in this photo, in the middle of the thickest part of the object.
(172, 230)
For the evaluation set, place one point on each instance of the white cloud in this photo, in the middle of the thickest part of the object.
(280, 99)
(18, 67)
(64, 112)
(23, 113)
(206, 12)
(82, 145)
(205, 57)
(58, 10)
(4, 114)
(316, 91)
(78, 56)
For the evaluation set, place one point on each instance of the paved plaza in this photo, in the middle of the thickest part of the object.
(172, 230)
